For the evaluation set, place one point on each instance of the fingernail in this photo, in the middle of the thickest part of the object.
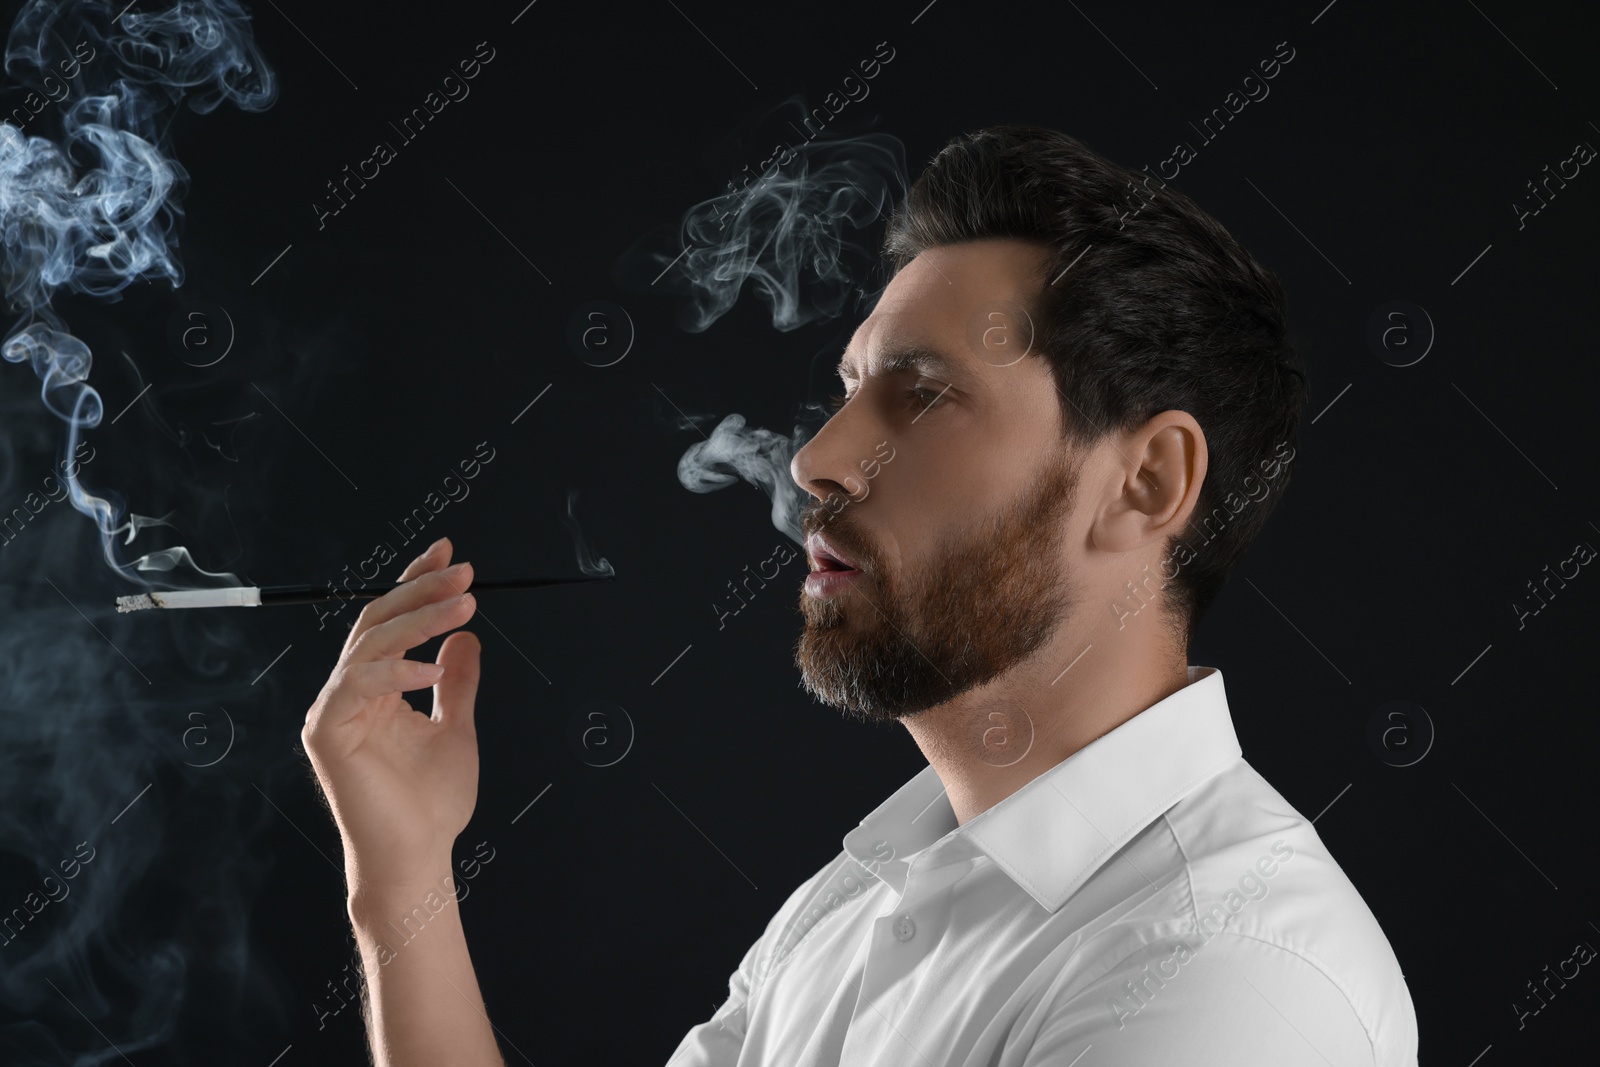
(425, 552)
(432, 670)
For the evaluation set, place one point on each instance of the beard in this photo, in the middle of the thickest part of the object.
(898, 641)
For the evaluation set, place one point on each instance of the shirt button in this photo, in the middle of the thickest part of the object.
(904, 928)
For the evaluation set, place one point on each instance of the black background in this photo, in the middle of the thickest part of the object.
(380, 350)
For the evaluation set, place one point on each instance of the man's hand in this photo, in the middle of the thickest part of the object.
(401, 785)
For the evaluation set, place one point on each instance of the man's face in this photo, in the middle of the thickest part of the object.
(953, 510)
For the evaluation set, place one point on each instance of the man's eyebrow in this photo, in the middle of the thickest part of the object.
(921, 357)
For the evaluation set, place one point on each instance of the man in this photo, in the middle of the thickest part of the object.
(1070, 411)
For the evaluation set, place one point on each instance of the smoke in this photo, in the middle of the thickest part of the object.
(786, 233)
(761, 457)
(586, 561)
(783, 232)
(97, 211)
(98, 722)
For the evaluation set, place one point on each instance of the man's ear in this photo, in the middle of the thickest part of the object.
(1153, 487)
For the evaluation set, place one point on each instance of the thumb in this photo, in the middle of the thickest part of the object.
(457, 689)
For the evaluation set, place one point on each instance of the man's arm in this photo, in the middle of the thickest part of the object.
(402, 786)
(421, 1001)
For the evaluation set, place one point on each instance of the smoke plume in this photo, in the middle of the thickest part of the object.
(113, 924)
(788, 234)
(97, 211)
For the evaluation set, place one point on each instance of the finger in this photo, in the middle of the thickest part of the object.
(353, 685)
(392, 639)
(434, 557)
(455, 693)
(420, 591)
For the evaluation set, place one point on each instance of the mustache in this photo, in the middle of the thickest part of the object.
(840, 532)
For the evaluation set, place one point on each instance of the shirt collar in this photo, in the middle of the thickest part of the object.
(1054, 832)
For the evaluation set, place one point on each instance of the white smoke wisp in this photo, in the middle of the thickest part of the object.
(761, 457)
(786, 233)
(98, 211)
(586, 560)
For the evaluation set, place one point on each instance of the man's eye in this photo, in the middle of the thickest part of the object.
(926, 397)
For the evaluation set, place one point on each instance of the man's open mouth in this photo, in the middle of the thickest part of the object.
(826, 557)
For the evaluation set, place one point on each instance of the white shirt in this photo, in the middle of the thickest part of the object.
(1148, 900)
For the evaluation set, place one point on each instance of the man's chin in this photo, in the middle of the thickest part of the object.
(838, 671)
(830, 694)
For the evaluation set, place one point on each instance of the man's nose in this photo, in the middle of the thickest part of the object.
(826, 466)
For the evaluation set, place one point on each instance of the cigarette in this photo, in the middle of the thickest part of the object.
(250, 596)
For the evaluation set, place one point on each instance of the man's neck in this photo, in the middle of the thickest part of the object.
(991, 741)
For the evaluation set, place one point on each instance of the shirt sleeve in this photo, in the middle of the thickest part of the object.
(1234, 1000)
(718, 1041)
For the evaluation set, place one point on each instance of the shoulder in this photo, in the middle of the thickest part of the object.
(1227, 1000)
(1265, 893)
(834, 886)
(1224, 932)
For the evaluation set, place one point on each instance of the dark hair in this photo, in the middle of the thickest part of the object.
(1161, 309)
